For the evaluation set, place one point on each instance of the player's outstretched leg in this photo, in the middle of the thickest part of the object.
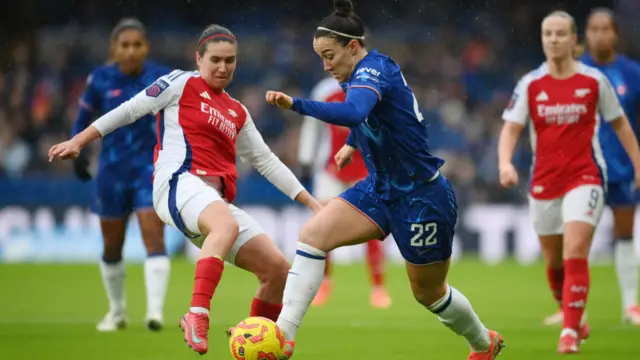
(375, 259)
(338, 224)
(113, 273)
(626, 263)
(156, 268)
(220, 230)
(453, 309)
(326, 286)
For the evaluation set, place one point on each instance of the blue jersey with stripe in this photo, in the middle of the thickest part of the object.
(624, 75)
(393, 138)
(107, 87)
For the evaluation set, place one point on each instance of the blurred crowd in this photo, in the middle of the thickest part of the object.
(462, 71)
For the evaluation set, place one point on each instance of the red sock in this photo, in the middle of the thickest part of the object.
(575, 291)
(375, 258)
(556, 282)
(327, 266)
(208, 274)
(265, 309)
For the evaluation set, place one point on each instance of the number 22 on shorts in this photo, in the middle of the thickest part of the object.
(424, 234)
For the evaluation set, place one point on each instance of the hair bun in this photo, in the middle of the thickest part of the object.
(343, 7)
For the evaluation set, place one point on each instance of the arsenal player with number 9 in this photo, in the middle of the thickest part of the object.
(564, 101)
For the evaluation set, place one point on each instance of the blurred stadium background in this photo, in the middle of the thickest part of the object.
(462, 59)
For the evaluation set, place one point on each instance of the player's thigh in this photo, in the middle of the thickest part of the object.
(582, 208)
(353, 218)
(111, 196)
(428, 282)
(621, 198)
(423, 222)
(546, 216)
(195, 208)
(326, 187)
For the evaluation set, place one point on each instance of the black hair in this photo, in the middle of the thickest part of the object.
(212, 34)
(605, 11)
(127, 24)
(342, 24)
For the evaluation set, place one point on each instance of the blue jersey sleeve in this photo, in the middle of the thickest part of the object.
(89, 103)
(370, 76)
(350, 113)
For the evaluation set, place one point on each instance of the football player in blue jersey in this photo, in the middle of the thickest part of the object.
(622, 196)
(123, 183)
(405, 193)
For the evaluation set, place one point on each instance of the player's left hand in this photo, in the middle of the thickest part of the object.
(65, 150)
(344, 157)
(279, 99)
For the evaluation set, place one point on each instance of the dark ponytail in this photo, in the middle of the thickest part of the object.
(342, 24)
(212, 34)
(127, 24)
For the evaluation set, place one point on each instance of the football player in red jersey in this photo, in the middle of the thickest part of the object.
(201, 129)
(319, 144)
(564, 101)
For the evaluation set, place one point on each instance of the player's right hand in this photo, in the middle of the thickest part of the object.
(69, 149)
(344, 157)
(508, 175)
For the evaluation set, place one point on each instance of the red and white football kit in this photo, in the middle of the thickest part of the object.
(200, 132)
(320, 142)
(569, 171)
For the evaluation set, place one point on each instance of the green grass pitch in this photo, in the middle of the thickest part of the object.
(49, 312)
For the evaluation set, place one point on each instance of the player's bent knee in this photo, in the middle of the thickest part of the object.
(577, 239)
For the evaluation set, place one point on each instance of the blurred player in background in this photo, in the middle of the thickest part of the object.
(405, 193)
(123, 183)
(319, 144)
(201, 129)
(622, 194)
(563, 101)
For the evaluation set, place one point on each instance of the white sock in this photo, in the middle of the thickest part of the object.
(199, 310)
(627, 271)
(113, 275)
(455, 311)
(303, 282)
(156, 277)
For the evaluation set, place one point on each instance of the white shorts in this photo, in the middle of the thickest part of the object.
(326, 186)
(180, 201)
(584, 203)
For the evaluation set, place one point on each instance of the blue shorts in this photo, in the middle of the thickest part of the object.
(118, 195)
(422, 222)
(624, 193)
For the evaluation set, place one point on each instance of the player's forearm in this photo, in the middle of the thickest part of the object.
(507, 142)
(351, 113)
(86, 136)
(628, 139)
(124, 114)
